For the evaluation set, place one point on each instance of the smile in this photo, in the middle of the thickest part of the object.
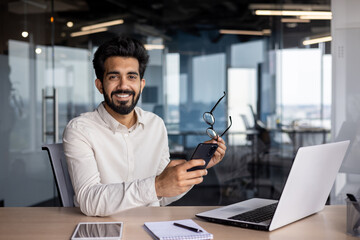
(122, 95)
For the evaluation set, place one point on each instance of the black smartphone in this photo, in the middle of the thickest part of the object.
(203, 151)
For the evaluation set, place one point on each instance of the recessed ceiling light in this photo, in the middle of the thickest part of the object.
(25, 34)
(69, 24)
(38, 50)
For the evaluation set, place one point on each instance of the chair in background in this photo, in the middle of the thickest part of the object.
(258, 164)
(61, 174)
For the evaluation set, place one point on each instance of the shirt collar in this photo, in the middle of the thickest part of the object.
(113, 124)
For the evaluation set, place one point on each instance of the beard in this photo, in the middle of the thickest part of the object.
(121, 107)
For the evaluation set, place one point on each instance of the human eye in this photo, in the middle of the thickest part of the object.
(112, 77)
(133, 77)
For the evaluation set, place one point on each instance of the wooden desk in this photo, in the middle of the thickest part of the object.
(59, 223)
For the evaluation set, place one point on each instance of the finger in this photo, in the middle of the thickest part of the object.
(212, 141)
(221, 149)
(194, 163)
(221, 146)
(193, 181)
(218, 156)
(220, 152)
(196, 173)
(185, 175)
(220, 140)
(176, 162)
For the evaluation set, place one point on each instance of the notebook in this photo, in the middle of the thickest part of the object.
(166, 230)
(306, 190)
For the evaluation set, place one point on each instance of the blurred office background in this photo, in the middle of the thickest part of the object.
(290, 75)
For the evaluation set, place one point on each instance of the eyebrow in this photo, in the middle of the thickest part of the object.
(116, 72)
(112, 72)
(135, 73)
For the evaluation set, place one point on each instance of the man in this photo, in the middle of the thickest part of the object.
(118, 155)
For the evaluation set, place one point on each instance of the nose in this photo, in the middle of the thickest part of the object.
(122, 84)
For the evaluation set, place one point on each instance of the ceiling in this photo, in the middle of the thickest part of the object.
(192, 16)
(166, 18)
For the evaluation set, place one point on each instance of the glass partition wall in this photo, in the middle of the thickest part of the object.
(273, 83)
(26, 177)
(44, 85)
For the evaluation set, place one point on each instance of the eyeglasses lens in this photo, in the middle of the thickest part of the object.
(209, 118)
(211, 133)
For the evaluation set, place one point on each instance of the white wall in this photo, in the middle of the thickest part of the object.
(346, 93)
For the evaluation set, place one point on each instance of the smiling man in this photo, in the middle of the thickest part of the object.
(118, 155)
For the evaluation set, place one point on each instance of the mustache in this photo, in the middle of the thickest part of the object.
(123, 92)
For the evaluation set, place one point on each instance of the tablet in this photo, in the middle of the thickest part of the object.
(97, 231)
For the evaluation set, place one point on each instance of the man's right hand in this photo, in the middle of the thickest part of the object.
(175, 179)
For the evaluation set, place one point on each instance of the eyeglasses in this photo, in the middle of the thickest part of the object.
(210, 119)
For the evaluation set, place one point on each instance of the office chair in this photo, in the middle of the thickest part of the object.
(61, 174)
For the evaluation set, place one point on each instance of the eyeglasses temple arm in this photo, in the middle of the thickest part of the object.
(227, 127)
(218, 102)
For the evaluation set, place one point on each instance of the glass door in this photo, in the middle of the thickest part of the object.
(34, 68)
(25, 172)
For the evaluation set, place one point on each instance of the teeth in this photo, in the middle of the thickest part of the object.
(122, 95)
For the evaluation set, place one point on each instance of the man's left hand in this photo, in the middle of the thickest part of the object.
(220, 152)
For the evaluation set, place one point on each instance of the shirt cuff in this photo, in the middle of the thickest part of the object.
(148, 193)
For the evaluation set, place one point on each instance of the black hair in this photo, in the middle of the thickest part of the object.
(122, 47)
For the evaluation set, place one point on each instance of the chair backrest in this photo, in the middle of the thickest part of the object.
(61, 173)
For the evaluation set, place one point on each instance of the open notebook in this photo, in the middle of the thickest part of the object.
(167, 230)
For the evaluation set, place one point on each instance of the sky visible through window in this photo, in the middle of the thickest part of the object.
(303, 85)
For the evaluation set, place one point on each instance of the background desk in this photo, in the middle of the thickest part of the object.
(59, 223)
(297, 135)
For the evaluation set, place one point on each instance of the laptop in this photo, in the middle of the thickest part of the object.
(307, 188)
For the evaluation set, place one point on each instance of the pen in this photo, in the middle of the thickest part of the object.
(187, 227)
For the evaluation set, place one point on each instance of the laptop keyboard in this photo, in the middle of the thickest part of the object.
(257, 215)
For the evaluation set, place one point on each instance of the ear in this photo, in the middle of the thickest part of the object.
(142, 84)
(99, 85)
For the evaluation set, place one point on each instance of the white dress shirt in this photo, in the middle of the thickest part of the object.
(113, 168)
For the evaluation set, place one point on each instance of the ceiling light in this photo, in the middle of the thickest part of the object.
(154, 46)
(81, 33)
(290, 6)
(266, 31)
(315, 17)
(317, 40)
(25, 34)
(246, 32)
(69, 24)
(101, 25)
(294, 20)
(291, 13)
(38, 50)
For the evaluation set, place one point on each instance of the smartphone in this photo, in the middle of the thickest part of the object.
(203, 151)
(98, 230)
